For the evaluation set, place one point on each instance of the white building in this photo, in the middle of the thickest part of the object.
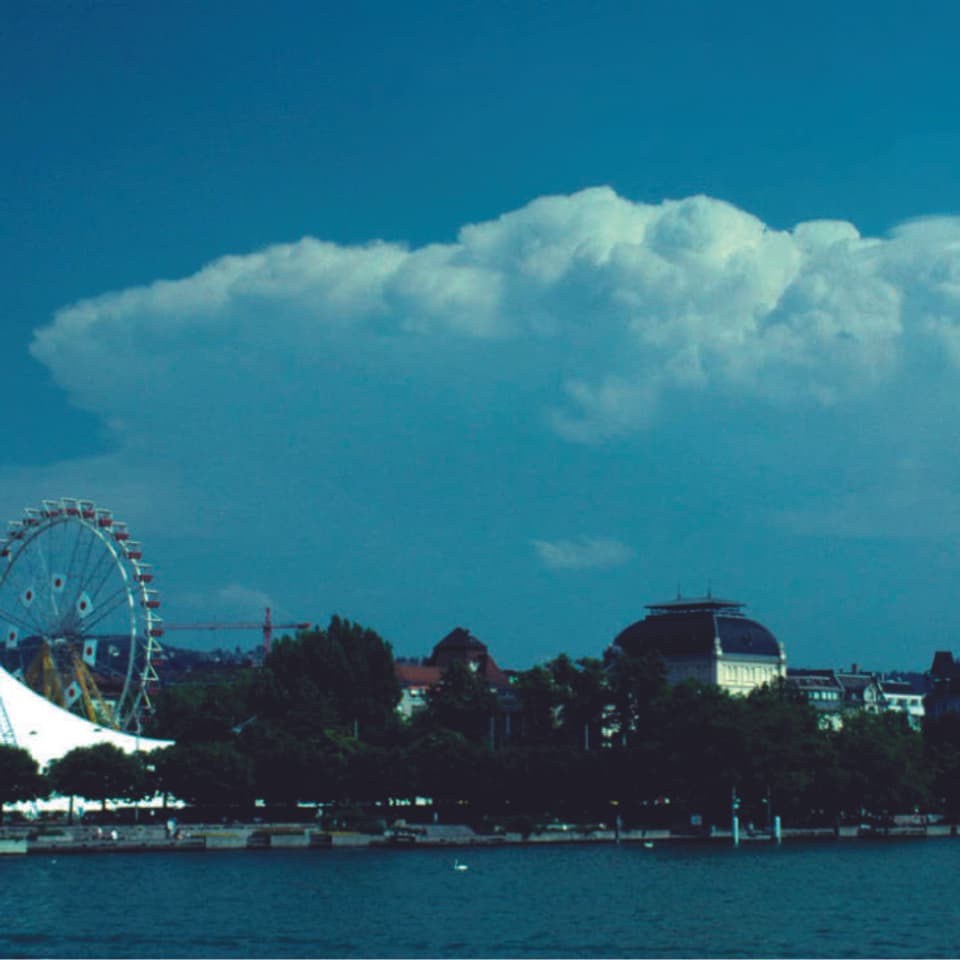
(835, 694)
(901, 697)
(710, 640)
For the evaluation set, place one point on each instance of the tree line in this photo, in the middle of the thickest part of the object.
(590, 739)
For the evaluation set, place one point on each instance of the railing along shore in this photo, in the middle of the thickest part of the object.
(209, 837)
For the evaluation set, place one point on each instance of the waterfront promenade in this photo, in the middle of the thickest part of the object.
(149, 838)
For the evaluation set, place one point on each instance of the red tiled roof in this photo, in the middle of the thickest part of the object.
(417, 675)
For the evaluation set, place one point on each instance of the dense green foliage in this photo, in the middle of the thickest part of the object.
(589, 740)
(102, 772)
(20, 779)
(462, 701)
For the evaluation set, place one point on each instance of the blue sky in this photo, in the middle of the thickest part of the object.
(512, 316)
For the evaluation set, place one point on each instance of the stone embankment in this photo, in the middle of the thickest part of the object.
(202, 837)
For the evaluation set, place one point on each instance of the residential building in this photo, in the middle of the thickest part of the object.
(823, 692)
(417, 677)
(902, 696)
(835, 694)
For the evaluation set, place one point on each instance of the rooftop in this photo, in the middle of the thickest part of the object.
(707, 604)
(694, 626)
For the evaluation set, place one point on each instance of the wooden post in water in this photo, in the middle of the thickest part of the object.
(734, 819)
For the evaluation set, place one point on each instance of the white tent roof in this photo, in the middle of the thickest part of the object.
(48, 732)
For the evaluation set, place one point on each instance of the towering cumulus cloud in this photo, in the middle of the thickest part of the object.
(613, 303)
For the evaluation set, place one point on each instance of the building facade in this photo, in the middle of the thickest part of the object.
(710, 640)
(459, 646)
(835, 694)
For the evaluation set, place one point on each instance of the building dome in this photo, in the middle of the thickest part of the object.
(690, 628)
(706, 638)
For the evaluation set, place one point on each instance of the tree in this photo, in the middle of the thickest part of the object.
(882, 760)
(369, 699)
(785, 751)
(941, 737)
(201, 712)
(102, 772)
(540, 699)
(564, 701)
(462, 701)
(287, 769)
(638, 680)
(703, 752)
(586, 688)
(205, 773)
(343, 676)
(20, 779)
(447, 766)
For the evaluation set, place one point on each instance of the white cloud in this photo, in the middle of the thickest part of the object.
(581, 554)
(623, 302)
(259, 392)
(236, 596)
(235, 599)
(365, 428)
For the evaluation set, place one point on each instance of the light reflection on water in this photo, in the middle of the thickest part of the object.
(849, 899)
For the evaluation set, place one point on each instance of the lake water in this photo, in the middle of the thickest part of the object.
(842, 899)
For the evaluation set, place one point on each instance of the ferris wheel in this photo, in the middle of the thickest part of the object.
(79, 617)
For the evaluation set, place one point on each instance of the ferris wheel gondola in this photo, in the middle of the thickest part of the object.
(79, 616)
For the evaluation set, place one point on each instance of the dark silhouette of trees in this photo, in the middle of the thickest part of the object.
(540, 699)
(462, 702)
(785, 750)
(881, 765)
(637, 682)
(342, 676)
(199, 712)
(102, 772)
(941, 737)
(20, 778)
(214, 773)
(594, 738)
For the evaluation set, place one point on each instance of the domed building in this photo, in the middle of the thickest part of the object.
(710, 640)
(459, 646)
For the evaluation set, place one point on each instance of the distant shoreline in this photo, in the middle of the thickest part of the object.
(280, 836)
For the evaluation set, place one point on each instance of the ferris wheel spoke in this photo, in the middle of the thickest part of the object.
(47, 580)
(38, 557)
(17, 621)
(34, 614)
(30, 584)
(103, 570)
(29, 618)
(103, 610)
(91, 540)
(69, 572)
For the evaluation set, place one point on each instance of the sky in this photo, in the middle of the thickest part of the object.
(517, 317)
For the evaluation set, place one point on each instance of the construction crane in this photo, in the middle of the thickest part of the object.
(267, 627)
